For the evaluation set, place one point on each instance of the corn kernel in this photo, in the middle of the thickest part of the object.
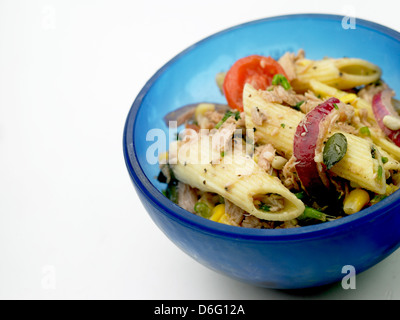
(225, 219)
(217, 212)
(348, 98)
(355, 201)
(163, 158)
(202, 108)
(390, 188)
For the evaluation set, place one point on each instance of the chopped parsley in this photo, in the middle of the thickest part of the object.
(264, 207)
(298, 105)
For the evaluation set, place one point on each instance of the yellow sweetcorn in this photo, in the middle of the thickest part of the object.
(163, 158)
(355, 201)
(348, 98)
(217, 212)
(328, 91)
(201, 109)
(225, 219)
(390, 188)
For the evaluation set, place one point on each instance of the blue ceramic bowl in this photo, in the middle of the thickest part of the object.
(288, 258)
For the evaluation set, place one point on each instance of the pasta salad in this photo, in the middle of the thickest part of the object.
(299, 142)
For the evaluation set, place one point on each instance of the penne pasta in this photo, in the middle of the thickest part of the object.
(358, 165)
(299, 142)
(279, 125)
(344, 73)
(361, 164)
(237, 178)
(359, 104)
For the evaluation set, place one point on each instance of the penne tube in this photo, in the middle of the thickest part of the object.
(279, 125)
(326, 91)
(236, 177)
(343, 73)
(360, 164)
(386, 145)
(359, 104)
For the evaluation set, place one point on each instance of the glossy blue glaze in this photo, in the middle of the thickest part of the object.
(287, 258)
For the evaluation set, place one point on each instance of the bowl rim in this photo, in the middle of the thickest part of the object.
(180, 215)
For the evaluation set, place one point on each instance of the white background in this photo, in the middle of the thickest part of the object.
(71, 225)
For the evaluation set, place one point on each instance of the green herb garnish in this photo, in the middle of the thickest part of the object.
(172, 193)
(298, 105)
(264, 207)
(280, 79)
(380, 172)
(311, 213)
(300, 195)
(227, 115)
(377, 198)
(365, 131)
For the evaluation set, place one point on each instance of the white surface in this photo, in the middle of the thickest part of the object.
(71, 225)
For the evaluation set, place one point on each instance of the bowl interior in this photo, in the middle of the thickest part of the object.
(190, 76)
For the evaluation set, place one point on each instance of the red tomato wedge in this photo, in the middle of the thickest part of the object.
(255, 70)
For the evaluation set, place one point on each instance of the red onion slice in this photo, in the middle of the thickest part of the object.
(306, 140)
(382, 106)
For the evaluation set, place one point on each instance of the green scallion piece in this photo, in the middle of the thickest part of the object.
(172, 193)
(300, 195)
(365, 131)
(377, 198)
(298, 105)
(311, 213)
(227, 115)
(380, 172)
(280, 79)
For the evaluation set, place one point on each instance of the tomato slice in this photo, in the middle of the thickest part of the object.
(255, 70)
